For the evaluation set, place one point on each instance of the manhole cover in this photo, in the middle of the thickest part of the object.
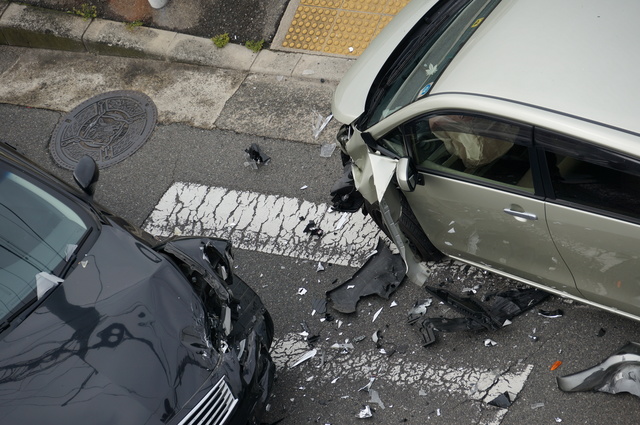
(109, 127)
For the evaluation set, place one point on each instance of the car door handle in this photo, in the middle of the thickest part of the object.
(525, 215)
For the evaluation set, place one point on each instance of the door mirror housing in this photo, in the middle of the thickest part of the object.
(407, 175)
(86, 174)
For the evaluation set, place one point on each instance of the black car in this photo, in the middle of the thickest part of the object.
(102, 324)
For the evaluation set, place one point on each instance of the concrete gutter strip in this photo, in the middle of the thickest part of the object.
(28, 26)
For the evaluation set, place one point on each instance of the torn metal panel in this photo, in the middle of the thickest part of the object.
(620, 373)
(380, 275)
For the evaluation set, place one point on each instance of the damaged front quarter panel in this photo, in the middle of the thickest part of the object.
(373, 174)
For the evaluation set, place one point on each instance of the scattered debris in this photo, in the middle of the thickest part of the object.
(313, 229)
(374, 397)
(376, 314)
(393, 304)
(346, 347)
(306, 356)
(368, 386)
(319, 305)
(553, 314)
(320, 123)
(506, 305)
(380, 275)
(301, 291)
(365, 412)
(256, 157)
(537, 406)
(304, 187)
(344, 195)
(555, 365)
(601, 332)
(326, 150)
(418, 310)
(558, 420)
(620, 373)
(489, 343)
(503, 400)
(320, 267)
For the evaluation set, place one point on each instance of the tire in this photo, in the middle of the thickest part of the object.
(418, 241)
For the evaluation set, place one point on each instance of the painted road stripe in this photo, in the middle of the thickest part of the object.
(473, 383)
(264, 223)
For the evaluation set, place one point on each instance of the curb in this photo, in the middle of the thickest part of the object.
(29, 26)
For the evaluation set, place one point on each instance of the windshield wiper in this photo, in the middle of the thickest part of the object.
(28, 305)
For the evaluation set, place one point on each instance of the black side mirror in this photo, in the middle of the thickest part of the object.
(407, 175)
(86, 174)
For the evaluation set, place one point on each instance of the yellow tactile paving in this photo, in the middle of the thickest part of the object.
(344, 27)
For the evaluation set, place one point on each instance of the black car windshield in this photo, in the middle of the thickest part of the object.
(39, 232)
(423, 55)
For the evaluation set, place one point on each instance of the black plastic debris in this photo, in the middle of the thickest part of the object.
(344, 196)
(602, 332)
(503, 401)
(319, 305)
(418, 310)
(551, 314)
(313, 229)
(478, 316)
(255, 154)
(381, 275)
(620, 373)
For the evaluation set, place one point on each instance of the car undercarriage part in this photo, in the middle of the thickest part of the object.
(506, 305)
(380, 275)
(344, 196)
(620, 373)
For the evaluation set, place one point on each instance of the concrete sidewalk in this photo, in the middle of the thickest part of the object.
(28, 26)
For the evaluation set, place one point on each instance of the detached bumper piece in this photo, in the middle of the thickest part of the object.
(381, 275)
(620, 373)
(506, 305)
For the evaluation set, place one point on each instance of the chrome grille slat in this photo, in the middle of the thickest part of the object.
(214, 408)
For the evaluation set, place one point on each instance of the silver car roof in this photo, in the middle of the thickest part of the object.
(575, 57)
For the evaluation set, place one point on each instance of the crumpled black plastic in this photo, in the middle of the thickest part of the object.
(380, 275)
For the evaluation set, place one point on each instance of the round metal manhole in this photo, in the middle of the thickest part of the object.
(109, 127)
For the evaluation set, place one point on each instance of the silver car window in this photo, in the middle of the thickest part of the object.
(475, 147)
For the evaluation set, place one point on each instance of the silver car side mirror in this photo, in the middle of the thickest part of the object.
(406, 175)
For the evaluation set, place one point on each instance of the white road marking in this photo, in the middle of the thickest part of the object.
(264, 223)
(474, 383)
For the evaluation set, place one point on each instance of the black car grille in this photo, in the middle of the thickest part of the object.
(214, 408)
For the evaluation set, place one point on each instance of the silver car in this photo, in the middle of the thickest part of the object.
(505, 134)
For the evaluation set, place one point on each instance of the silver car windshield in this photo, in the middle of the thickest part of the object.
(38, 233)
(424, 54)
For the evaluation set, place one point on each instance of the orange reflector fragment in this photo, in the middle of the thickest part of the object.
(556, 365)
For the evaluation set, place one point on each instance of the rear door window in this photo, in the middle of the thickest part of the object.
(590, 177)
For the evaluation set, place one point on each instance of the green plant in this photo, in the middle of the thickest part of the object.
(254, 46)
(87, 11)
(221, 40)
(133, 25)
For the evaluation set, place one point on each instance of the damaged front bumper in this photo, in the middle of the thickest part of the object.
(371, 176)
(238, 327)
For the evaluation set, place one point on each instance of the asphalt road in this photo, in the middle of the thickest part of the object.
(448, 382)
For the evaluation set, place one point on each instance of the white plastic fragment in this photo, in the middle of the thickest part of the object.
(346, 346)
(320, 267)
(320, 123)
(536, 406)
(327, 149)
(438, 412)
(351, 286)
(558, 420)
(308, 72)
(304, 187)
(374, 337)
(374, 397)
(368, 386)
(365, 412)
(376, 314)
(393, 304)
(306, 356)
(301, 291)
(489, 343)
(69, 250)
(334, 380)
(507, 322)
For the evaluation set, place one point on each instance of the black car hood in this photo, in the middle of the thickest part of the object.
(123, 339)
